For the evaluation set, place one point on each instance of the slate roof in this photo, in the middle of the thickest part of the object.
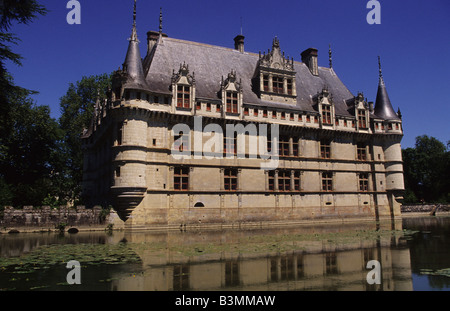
(133, 64)
(210, 63)
(383, 107)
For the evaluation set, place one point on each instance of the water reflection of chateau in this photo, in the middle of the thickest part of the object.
(318, 265)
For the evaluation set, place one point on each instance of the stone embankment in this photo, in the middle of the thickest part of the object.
(30, 219)
(46, 218)
(425, 208)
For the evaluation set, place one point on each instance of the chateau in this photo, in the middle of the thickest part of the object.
(161, 152)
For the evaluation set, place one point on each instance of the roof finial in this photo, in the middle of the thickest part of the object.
(379, 68)
(134, 14)
(160, 20)
(329, 55)
(134, 31)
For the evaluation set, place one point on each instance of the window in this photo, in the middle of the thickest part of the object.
(283, 146)
(364, 182)
(271, 180)
(208, 107)
(246, 112)
(297, 180)
(181, 142)
(117, 171)
(269, 143)
(265, 113)
(232, 102)
(295, 147)
(119, 133)
(284, 181)
(326, 114)
(362, 124)
(361, 151)
(181, 178)
(283, 116)
(325, 149)
(266, 83)
(327, 181)
(289, 86)
(230, 179)
(277, 85)
(183, 96)
(230, 144)
(255, 112)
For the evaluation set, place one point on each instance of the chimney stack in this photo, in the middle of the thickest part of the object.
(239, 43)
(309, 57)
(152, 38)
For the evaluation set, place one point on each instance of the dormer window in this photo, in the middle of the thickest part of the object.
(362, 119)
(183, 88)
(266, 83)
(289, 86)
(277, 85)
(232, 102)
(231, 94)
(326, 107)
(361, 112)
(183, 96)
(276, 76)
(326, 114)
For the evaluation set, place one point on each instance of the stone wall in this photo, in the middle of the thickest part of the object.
(47, 217)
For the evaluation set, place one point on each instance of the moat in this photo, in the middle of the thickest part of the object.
(414, 254)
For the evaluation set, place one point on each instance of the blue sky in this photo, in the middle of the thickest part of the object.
(413, 41)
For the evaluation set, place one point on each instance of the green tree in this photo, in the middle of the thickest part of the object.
(24, 12)
(29, 153)
(77, 109)
(17, 112)
(426, 170)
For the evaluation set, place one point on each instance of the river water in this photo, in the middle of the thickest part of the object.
(413, 254)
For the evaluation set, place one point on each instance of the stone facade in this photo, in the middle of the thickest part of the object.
(337, 156)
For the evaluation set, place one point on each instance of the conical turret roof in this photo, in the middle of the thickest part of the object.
(383, 107)
(133, 62)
